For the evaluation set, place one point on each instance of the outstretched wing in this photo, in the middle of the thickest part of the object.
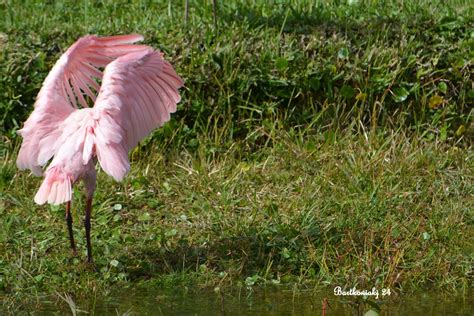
(73, 76)
(138, 93)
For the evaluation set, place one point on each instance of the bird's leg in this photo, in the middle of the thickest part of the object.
(89, 182)
(214, 12)
(69, 228)
(186, 11)
(87, 225)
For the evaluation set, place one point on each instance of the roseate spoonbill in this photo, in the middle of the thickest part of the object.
(139, 91)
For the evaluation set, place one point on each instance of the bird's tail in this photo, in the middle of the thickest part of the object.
(56, 187)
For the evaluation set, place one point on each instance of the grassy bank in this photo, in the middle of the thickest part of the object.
(367, 210)
(315, 145)
(385, 64)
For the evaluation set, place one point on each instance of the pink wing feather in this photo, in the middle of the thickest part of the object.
(73, 76)
(138, 93)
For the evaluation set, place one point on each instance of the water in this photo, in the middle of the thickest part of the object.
(272, 301)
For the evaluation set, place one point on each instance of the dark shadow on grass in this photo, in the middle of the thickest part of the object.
(315, 17)
(278, 251)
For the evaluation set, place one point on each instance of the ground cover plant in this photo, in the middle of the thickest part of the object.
(316, 144)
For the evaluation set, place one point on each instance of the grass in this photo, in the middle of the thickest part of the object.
(381, 210)
(315, 145)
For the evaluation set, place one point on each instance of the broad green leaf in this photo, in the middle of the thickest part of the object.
(314, 83)
(443, 134)
(443, 87)
(343, 53)
(347, 92)
(426, 236)
(400, 94)
(281, 63)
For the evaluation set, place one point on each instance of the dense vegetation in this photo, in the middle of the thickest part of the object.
(316, 143)
(383, 64)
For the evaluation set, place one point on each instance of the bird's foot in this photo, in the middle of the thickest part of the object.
(74, 258)
(91, 265)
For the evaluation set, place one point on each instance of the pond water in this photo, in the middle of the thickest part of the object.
(272, 301)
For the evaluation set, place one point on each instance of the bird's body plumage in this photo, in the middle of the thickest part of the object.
(68, 162)
(138, 91)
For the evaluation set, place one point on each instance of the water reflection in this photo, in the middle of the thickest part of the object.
(273, 301)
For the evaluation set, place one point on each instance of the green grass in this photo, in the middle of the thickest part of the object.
(382, 210)
(316, 144)
(384, 64)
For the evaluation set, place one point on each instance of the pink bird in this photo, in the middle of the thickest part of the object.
(139, 91)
